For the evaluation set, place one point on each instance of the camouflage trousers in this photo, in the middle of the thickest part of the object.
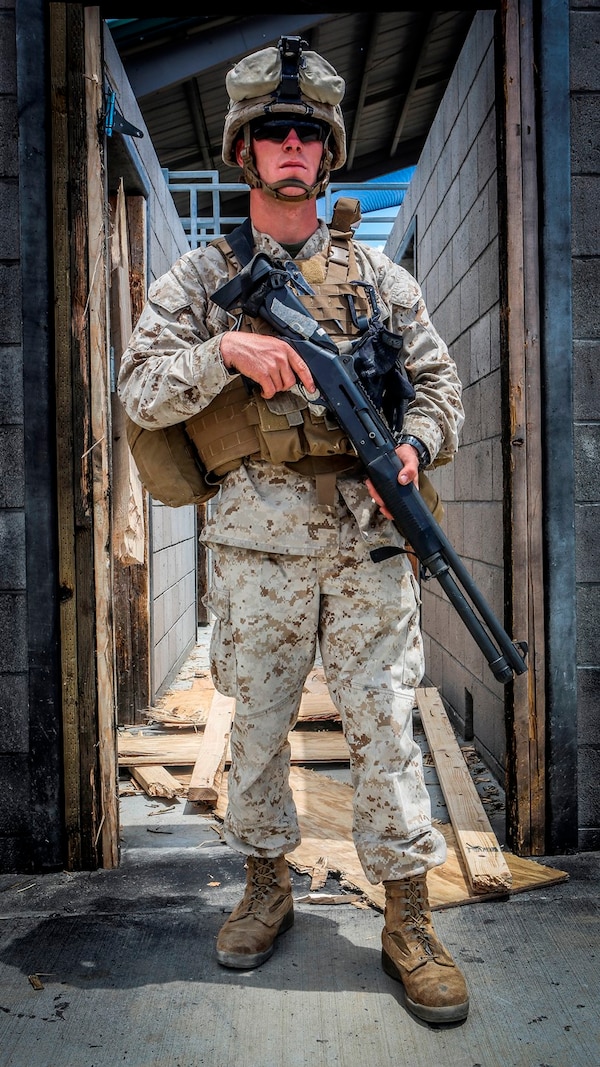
(271, 610)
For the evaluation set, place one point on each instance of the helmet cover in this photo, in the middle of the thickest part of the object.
(285, 81)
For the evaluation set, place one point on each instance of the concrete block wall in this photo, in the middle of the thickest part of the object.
(452, 202)
(585, 196)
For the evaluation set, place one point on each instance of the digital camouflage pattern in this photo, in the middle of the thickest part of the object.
(290, 571)
(270, 610)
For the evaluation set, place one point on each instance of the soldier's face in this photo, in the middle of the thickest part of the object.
(292, 157)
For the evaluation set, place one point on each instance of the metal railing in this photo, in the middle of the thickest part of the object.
(203, 225)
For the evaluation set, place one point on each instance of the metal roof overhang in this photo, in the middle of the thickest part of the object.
(396, 66)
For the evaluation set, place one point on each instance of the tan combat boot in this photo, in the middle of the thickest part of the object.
(266, 910)
(413, 954)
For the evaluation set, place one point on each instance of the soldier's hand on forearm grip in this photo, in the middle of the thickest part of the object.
(409, 457)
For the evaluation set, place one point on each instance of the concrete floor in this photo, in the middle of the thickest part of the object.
(117, 967)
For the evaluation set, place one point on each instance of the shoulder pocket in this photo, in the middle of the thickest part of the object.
(168, 294)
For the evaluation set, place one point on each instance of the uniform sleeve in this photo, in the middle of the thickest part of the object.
(436, 414)
(172, 367)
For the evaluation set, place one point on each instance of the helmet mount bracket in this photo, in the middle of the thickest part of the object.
(290, 50)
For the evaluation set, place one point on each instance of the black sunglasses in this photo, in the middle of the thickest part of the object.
(279, 129)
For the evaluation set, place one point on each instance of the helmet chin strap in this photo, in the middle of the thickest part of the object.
(309, 191)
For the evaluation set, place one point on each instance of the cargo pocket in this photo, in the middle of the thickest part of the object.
(222, 647)
(414, 662)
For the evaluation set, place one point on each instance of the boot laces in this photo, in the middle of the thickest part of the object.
(261, 881)
(416, 918)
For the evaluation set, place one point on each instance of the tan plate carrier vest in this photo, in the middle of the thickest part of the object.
(286, 429)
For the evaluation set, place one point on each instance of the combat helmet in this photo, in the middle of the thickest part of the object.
(279, 82)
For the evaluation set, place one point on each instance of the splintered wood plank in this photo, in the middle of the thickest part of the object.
(177, 718)
(157, 781)
(484, 860)
(181, 750)
(319, 874)
(178, 750)
(209, 765)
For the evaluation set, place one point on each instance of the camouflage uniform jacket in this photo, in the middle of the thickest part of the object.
(172, 368)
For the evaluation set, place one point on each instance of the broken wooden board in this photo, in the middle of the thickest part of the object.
(178, 718)
(170, 750)
(485, 864)
(208, 768)
(184, 707)
(325, 816)
(180, 750)
(319, 875)
(157, 781)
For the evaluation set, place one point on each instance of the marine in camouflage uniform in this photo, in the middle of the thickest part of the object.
(293, 571)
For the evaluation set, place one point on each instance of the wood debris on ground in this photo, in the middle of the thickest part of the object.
(185, 753)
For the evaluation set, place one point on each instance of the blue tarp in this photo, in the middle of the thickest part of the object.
(373, 199)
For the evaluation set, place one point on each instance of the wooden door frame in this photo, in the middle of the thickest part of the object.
(83, 439)
(529, 812)
(131, 510)
(537, 340)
